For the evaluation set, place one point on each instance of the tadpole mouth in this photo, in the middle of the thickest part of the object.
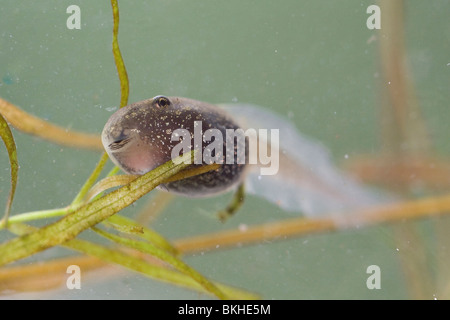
(119, 143)
(119, 139)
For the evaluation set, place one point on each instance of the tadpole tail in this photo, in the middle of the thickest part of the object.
(307, 181)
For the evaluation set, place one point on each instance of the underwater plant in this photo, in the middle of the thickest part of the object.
(131, 244)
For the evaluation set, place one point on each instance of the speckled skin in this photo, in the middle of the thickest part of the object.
(138, 139)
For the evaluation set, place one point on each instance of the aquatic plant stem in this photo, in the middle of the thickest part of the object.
(88, 215)
(8, 139)
(295, 227)
(134, 263)
(91, 180)
(154, 251)
(97, 190)
(37, 215)
(120, 65)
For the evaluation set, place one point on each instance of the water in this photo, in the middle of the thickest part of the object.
(312, 62)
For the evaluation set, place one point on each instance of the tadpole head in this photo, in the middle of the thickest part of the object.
(130, 136)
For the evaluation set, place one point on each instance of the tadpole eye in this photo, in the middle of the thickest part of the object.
(161, 101)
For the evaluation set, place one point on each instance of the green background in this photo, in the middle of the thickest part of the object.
(310, 61)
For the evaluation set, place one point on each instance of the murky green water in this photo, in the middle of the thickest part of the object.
(310, 61)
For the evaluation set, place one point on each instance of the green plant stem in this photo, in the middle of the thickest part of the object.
(90, 181)
(120, 65)
(88, 215)
(8, 139)
(37, 215)
(137, 264)
(148, 234)
(78, 200)
(113, 171)
(149, 248)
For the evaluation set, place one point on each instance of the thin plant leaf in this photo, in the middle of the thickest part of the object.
(139, 265)
(37, 215)
(147, 234)
(296, 227)
(8, 139)
(124, 89)
(120, 65)
(120, 180)
(403, 136)
(88, 215)
(131, 230)
(108, 183)
(194, 171)
(91, 180)
(146, 247)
